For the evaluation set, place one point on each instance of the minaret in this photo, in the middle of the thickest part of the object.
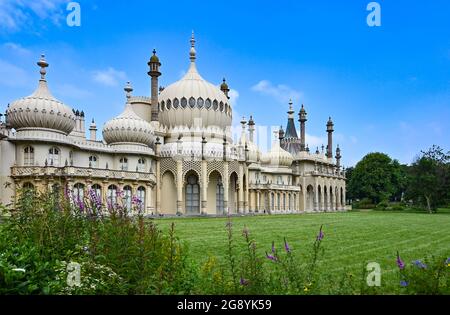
(128, 89)
(338, 157)
(302, 121)
(243, 139)
(281, 134)
(224, 88)
(93, 131)
(154, 73)
(251, 129)
(330, 130)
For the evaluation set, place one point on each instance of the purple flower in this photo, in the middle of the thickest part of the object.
(400, 262)
(273, 247)
(244, 282)
(447, 261)
(404, 283)
(420, 264)
(272, 257)
(286, 246)
(321, 235)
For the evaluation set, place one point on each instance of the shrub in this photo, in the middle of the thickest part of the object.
(363, 204)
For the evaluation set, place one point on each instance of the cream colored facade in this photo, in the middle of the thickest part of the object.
(173, 150)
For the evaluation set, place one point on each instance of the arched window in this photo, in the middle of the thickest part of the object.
(192, 195)
(28, 187)
(124, 164)
(295, 202)
(78, 192)
(219, 197)
(284, 201)
(28, 158)
(208, 103)
(141, 165)
(97, 190)
(215, 105)
(221, 106)
(162, 106)
(191, 102)
(176, 103)
(111, 196)
(200, 102)
(183, 102)
(127, 197)
(273, 202)
(54, 157)
(169, 104)
(278, 202)
(141, 195)
(290, 202)
(93, 161)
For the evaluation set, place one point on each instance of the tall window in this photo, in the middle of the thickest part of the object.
(295, 202)
(219, 197)
(141, 196)
(278, 202)
(78, 192)
(127, 197)
(141, 165)
(111, 196)
(192, 195)
(98, 190)
(124, 164)
(284, 201)
(93, 161)
(273, 202)
(54, 157)
(290, 202)
(28, 156)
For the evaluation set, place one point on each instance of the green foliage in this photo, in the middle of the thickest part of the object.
(365, 203)
(377, 177)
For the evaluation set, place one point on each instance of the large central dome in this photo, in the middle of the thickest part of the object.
(193, 101)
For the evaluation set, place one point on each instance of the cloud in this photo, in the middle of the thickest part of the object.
(18, 14)
(314, 141)
(109, 77)
(282, 93)
(13, 76)
(17, 49)
(234, 95)
(72, 91)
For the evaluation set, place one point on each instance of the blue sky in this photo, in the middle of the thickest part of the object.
(387, 88)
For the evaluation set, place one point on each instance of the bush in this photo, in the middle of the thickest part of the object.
(383, 205)
(364, 204)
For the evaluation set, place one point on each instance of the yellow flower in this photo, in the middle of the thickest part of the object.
(448, 265)
(306, 289)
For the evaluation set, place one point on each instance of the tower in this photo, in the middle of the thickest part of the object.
(302, 121)
(224, 88)
(338, 157)
(154, 73)
(251, 129)
(330, 130)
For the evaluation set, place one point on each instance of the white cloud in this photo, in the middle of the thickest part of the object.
(109, 77)
(314, 141)
(17, 49)
(13, 76)
(234, 95)
(72, 91)
(17, 14)
(282, 93)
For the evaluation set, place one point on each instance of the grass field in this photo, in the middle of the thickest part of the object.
(351, 239)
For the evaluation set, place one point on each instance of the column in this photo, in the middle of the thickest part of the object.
(158, 187)
(316, 198)
(258, 201)
(246, 192)
(204, 208)
(241, 189)
(180, 181)
(225, 181)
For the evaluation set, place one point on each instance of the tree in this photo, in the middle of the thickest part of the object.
(429, 179)
(377, 177)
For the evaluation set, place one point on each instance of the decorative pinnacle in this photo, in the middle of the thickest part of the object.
(43, 64)
(251, 122)
(243, 121)
(128, 89)
(192, 54)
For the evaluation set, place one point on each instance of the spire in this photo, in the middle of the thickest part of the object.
(43, 64)
(291, 109)
(192, 53)
(302, 120)
(251, 128)
(128, 89)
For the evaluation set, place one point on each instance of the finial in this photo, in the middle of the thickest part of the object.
(192, 54)
(43, 64)
(128, 89)
(243, 121)
(154, 51)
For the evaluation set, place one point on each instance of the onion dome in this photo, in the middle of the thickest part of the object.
(277, 156)
(41, 110)
(128, 127)
(192, 100)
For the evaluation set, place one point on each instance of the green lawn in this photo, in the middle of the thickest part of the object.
(351, 238)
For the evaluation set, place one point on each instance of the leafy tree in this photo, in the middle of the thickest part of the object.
(429, 179)
(377, 177)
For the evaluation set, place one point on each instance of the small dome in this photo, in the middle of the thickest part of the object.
(277, 156)
(128, 127)
(41, 109)
(224, 85)
(154, 58)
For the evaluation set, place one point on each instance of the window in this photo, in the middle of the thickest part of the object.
(215, 105)
(192, 102)
(169, 104)
(183, 102)
(278, 202)
(221, 106)
(176, 103)
(111, 196)
(93, 161)
(192, 195)
(124, 164)
(162, 106)
(53, 157)
(273, 201)
(290, 202)
(279, 180)
(97, 190)
(208, 103)
(141, 195)
(141, 165)
(200, 102)
(219, 197)
(127, 197)
(28, 156)
(78, 192)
